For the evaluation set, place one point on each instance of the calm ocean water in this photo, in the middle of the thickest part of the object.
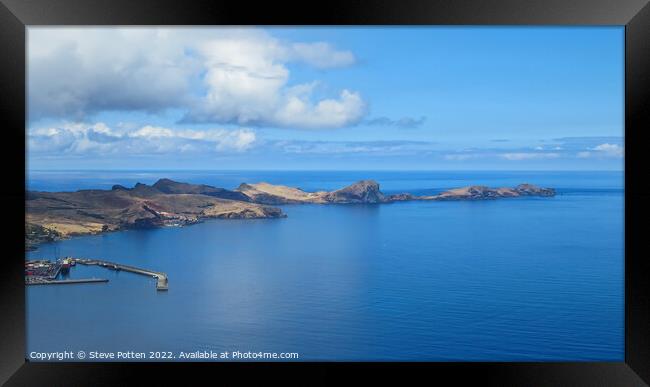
(506, 280)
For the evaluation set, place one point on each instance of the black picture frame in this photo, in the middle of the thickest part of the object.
(15, 15)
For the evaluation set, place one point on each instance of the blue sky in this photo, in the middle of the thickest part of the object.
(414, 98)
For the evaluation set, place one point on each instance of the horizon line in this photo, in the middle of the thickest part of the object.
(323, 170)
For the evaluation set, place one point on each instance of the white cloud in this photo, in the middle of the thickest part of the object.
(152, 132)
(215, 75)
(247, 85)
(605, 150)
(612, 150)
(99, 139)
(322, 55)
(237, 139)
(395, 147)
(297, 111)
(529, 156)
(461, 157)
(76, 72)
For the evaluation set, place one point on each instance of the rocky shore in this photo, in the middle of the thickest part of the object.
(52, 216)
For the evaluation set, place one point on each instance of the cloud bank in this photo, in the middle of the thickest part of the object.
(603, 151)
(218, 75)
(98, 139)
(383, 148)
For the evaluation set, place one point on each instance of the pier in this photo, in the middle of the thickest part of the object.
(44, 281)
(161, 284)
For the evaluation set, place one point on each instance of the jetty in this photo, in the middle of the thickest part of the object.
(43, 281)
(161, 283)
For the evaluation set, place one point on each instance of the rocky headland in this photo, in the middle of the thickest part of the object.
(52, 216)
(367, 191)
(56, 215)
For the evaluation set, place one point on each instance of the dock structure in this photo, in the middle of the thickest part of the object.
(43, 281)
(162, 281)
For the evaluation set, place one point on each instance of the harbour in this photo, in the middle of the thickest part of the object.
(161, 283)
(45, 272)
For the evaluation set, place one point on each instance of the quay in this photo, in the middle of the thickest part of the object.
(162, 281)
(65, 282)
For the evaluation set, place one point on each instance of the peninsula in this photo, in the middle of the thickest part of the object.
(52, 216)
(367, 191)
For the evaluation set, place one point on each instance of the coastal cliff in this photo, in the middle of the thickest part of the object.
(52, 216)
(364, 191)
(56, 215)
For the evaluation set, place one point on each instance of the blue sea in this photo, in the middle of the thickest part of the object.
(521, 279)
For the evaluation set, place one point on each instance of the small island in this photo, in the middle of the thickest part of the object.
(52, 216)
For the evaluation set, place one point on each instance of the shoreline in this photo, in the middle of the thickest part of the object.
(55, 216)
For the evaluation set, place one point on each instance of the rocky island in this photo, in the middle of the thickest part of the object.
(52, 216)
